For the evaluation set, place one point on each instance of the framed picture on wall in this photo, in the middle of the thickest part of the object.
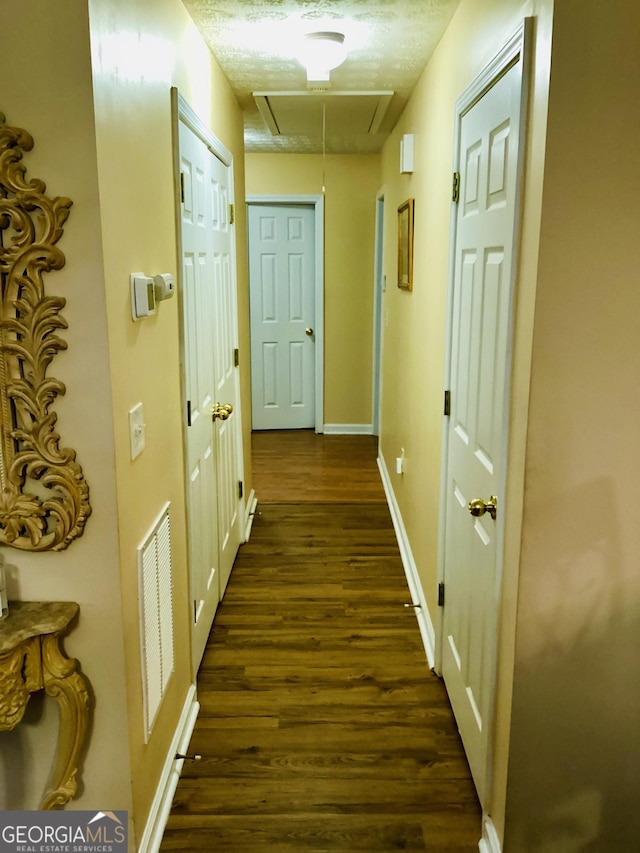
(405, 245)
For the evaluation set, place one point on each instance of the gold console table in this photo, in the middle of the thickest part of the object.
(31, 658)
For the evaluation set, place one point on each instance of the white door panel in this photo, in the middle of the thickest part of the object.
(477, 423)
(209, 377)
(199, 388)
(282, 285)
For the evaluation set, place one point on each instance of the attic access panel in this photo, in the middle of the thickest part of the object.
(301, 113)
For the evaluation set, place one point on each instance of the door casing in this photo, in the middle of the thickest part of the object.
(317, 201)
(378, 289)
(517, 49)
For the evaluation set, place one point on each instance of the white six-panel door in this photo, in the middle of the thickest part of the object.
(282, 295)
(198, 295)
(476, 432)
(210, 378)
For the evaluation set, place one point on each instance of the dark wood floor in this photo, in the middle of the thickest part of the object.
(298, 465)
(321, 726)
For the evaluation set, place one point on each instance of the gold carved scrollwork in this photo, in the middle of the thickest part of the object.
(14, 693)
(44, 498)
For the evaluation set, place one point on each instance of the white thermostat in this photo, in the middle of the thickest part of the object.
(143, 297)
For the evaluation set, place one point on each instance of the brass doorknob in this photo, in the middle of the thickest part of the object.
(308, 331)
(478, 507)
(221, 411)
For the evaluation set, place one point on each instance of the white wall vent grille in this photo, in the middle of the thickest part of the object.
(156, 616)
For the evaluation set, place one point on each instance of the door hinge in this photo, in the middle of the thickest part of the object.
(182, 187)
(236, 357)
(455, 196)
(232, 214)
(447, 403)
(195, 611)
(440, 595)
(240, 489)
(188, 412)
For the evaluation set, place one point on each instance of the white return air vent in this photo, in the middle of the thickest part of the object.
(156, 616)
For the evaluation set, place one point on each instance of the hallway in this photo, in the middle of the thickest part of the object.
(321, 727)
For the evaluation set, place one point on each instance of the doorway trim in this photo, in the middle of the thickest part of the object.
(317, 202)
(516, 50)
(379, 287)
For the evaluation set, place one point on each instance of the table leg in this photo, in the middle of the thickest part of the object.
(70, 690)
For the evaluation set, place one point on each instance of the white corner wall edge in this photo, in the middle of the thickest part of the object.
(348, 429)
(161, 805)
(249, 515)
(410, 569)
(489, 843)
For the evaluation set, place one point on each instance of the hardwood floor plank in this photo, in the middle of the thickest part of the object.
(324, 834)
(321, 726)
(302, 466)
(425, 763)
(336, 739)
(318, 795)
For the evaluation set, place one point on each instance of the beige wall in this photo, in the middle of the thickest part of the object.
(575, 740)
(139, 52)
(572, 740)
(45, 69)
(415, 323)
(351, 183)
(565, 755)
(109, 147)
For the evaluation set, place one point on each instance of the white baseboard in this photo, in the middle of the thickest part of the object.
(489, 843)
(161, 805)
(410, 569)
(250, 511)
(348, 429)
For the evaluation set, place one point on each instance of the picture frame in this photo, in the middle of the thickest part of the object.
(405, 245)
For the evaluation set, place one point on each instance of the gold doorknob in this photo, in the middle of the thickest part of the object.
(478, 507)
(221, 411)
(308, 331)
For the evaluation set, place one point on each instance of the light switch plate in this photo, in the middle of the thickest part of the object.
(136, 430)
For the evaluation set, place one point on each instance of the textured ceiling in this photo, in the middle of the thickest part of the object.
(389, 42)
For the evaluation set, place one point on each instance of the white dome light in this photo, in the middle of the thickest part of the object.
(322, 52)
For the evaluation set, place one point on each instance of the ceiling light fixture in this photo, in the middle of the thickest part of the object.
(321, 52)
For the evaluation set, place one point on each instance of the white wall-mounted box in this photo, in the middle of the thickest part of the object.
(406, 153)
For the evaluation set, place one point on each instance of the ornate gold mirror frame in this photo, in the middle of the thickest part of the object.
(44, 499)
